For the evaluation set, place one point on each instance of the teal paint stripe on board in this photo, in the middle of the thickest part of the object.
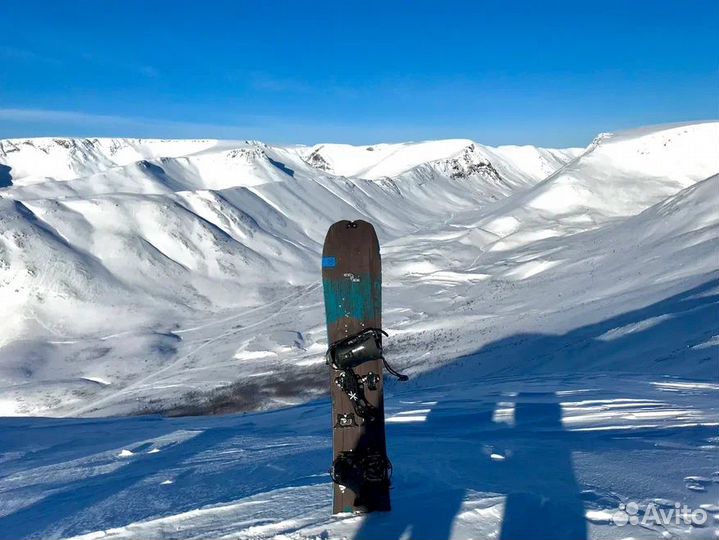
(359, 298)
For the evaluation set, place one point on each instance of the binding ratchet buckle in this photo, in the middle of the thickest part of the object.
(357, 349)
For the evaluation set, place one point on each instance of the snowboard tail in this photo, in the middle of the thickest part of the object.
(352, 283)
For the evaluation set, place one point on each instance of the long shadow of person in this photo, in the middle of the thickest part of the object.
(458, 451)
(543, 500)
(442, 460)
(434, 472)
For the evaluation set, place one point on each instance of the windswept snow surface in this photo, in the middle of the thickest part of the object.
(513, 457)
(558, 311)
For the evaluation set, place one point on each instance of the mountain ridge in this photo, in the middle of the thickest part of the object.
(169, 261)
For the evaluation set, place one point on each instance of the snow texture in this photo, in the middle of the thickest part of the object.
(556, 309)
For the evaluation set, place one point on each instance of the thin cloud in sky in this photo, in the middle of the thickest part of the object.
(267, 82)
(23, 122)
(363, 72)
(94, 121)
(24, 55)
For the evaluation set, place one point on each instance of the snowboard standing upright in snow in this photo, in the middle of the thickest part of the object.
(352, 281)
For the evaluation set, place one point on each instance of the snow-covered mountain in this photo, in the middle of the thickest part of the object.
(113, 248)
(149, 275)
(557, 310)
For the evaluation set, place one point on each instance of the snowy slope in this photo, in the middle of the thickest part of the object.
(148, 277)
(618, 176)
(627, 172)
(132, 244)
(33, 160)
(518, 456)
(561, 334)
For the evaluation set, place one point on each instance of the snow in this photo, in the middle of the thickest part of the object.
(556, 310)
(151, 264)
(390, 160)
(264, 475)
(98, 380)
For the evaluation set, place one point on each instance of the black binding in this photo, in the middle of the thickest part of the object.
(350, 384)
(355, 350)
(356, 470)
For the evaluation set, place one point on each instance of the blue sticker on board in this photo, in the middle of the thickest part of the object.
(329, 262)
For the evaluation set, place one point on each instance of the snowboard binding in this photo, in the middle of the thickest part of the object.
(359, 471)
(349, 353)
(351, 385)
(355, 350)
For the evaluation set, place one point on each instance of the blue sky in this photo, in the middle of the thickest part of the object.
(500, 72)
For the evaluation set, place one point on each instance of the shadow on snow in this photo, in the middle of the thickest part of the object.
(5, 176)
(532, 462)
(437, 462)
(533, 469)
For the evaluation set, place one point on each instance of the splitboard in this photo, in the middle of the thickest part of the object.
(352, 281)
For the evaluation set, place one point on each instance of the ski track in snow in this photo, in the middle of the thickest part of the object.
(556, 309)
(138, 385)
